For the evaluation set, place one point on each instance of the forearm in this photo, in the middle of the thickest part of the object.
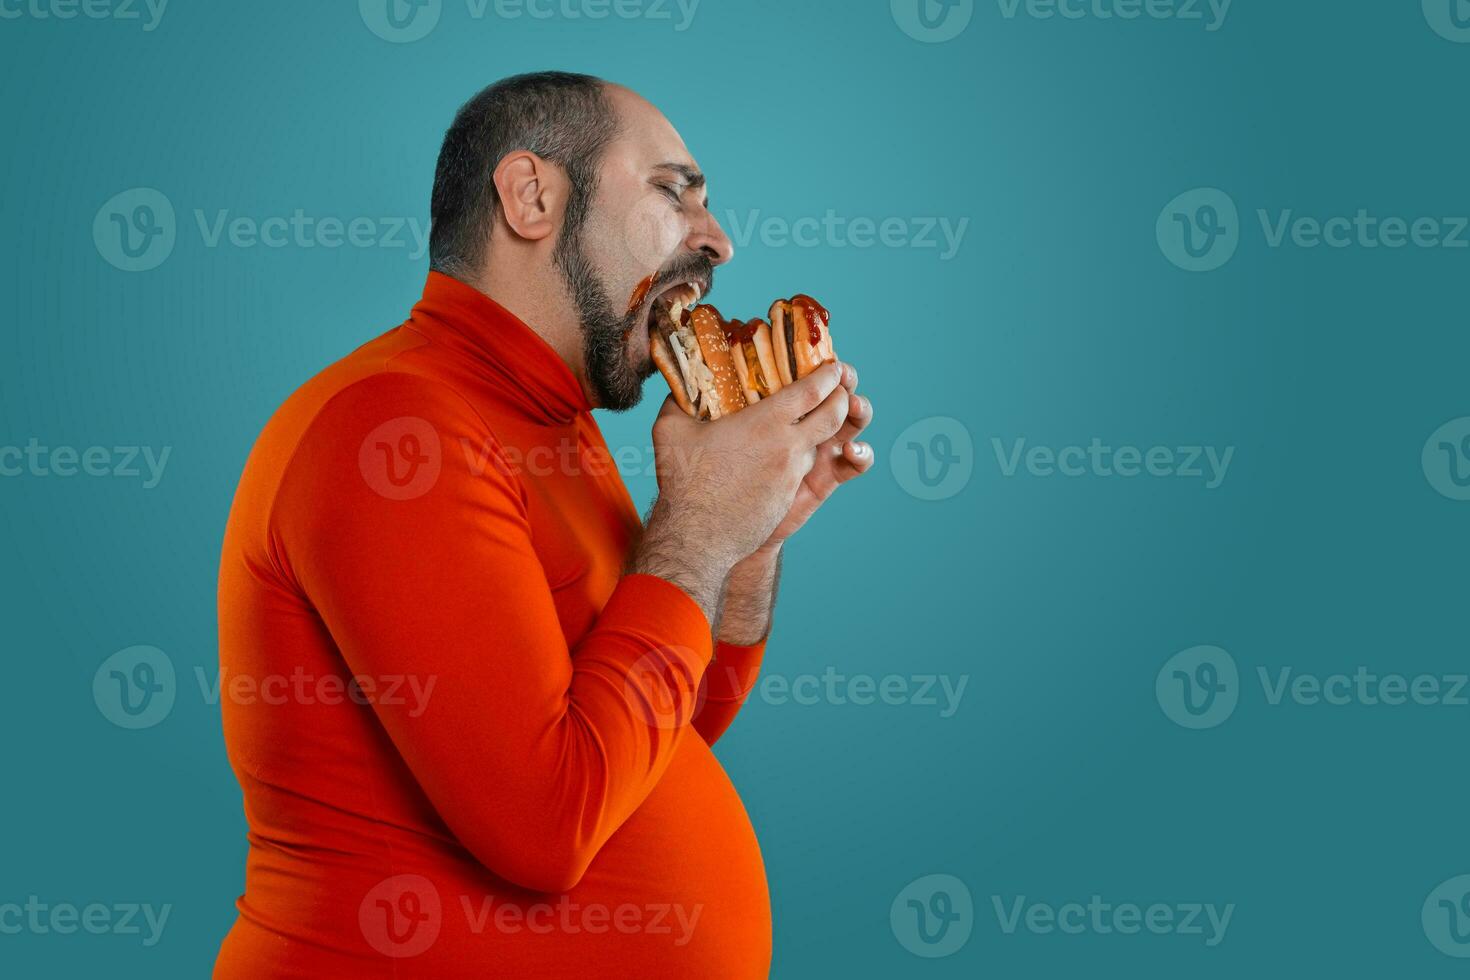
(670, 550)
(750, 598)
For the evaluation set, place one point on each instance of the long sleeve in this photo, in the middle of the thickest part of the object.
(731, 676)
(533, 751)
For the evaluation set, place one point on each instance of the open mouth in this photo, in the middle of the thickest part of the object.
(685, 293)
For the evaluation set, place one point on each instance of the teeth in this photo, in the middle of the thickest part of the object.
(697, 291)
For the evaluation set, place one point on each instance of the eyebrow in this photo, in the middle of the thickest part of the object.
(692, 178)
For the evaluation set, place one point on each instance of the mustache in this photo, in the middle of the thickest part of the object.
(698, 269)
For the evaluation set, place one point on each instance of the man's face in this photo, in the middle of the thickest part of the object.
(648, 217)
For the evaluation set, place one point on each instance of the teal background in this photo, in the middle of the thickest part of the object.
(1059, 320)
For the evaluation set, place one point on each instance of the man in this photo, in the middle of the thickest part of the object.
(481, 692)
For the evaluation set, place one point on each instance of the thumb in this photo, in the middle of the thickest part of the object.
(669, 407)
(800, 397)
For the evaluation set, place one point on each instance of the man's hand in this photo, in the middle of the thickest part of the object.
(726, 487)
(837, 460)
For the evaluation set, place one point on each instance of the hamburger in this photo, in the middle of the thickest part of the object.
(800, 336)
(755, 358)
(691, 351)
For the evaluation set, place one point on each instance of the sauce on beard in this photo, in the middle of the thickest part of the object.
(640, 292)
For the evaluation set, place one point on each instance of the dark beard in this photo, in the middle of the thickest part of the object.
(606, 334)
(616, 383)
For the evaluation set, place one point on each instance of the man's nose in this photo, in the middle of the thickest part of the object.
(708, 237)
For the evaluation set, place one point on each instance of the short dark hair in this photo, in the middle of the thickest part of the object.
(559, 116)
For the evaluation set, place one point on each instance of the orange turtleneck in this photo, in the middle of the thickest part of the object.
(468, 744)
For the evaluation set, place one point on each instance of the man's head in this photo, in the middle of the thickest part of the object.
(569, 191)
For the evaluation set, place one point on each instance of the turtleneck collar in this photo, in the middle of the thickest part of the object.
(524, 365)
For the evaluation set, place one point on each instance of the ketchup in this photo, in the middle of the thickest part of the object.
(640, 292)
(814, 312)
(740, 332)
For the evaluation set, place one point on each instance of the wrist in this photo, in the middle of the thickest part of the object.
(672, 550)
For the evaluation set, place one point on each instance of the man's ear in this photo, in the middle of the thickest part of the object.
(532, 194)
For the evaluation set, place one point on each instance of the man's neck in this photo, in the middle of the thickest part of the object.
(540, 301)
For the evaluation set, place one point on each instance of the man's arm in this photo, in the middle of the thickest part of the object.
(533, 751)
(740, 641)
(750, 591)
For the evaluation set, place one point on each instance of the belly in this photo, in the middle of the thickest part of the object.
(679, 891)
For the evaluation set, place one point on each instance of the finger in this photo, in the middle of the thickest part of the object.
(858, 456)
(801, 397)
(822, 422)
(849, 376)
(859, 414)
